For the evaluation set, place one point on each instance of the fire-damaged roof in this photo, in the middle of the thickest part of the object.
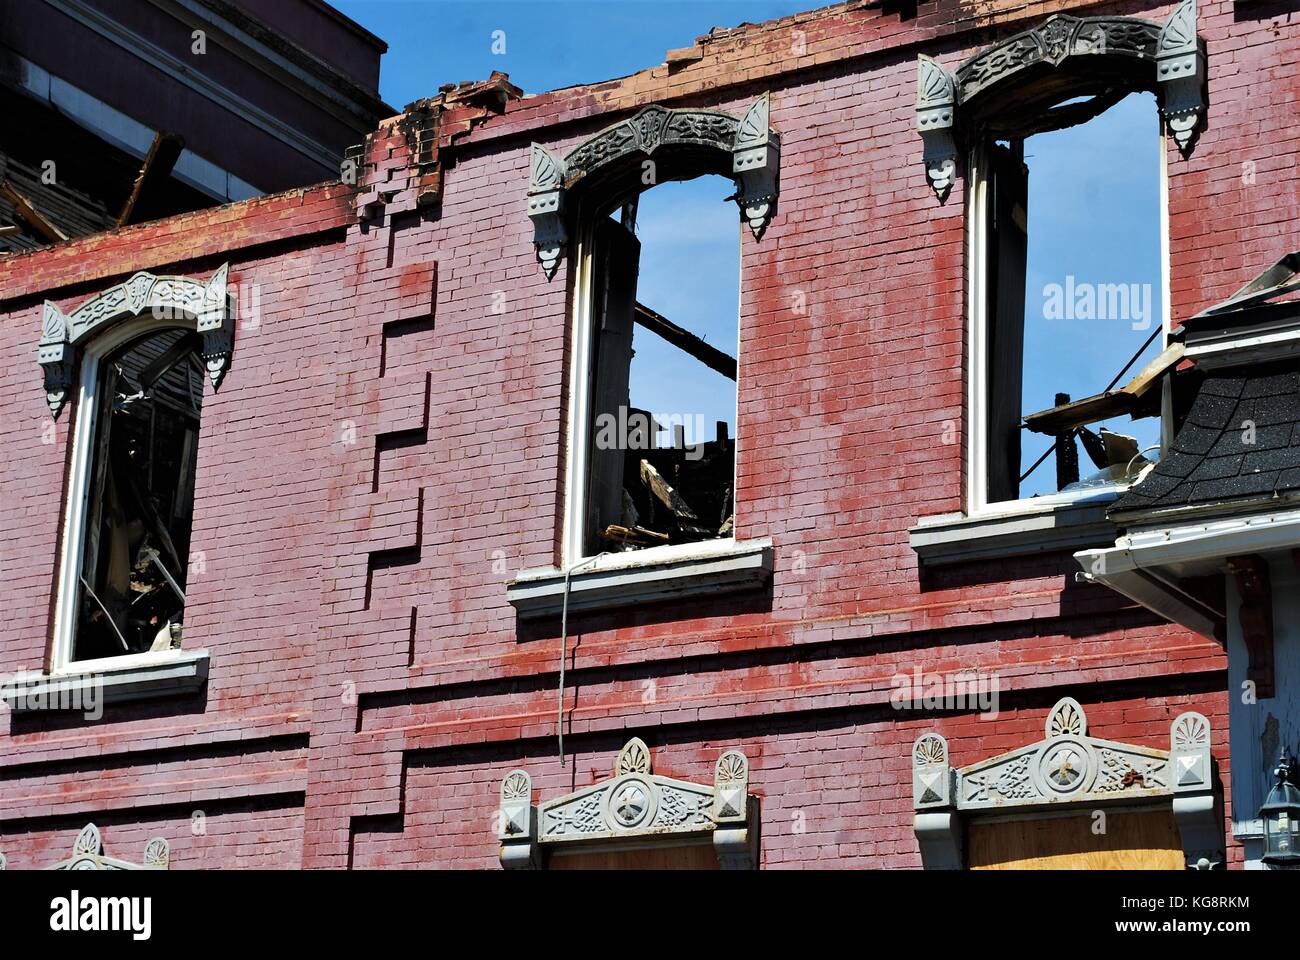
(1239, 444)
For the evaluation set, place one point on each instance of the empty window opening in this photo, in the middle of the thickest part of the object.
(665, 271)
(1073, 343)
(131, 596)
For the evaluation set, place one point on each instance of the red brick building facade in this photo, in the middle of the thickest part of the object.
(387, 452)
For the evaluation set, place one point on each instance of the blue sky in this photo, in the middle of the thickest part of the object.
(1101, 228)
(548, 44)
(1094, 213)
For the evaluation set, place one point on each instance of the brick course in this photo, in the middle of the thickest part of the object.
(386, 452)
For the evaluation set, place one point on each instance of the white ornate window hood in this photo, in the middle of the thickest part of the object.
(749, 148)
(946, 100)
(63, 335)
(633, 806)
(1069, 769)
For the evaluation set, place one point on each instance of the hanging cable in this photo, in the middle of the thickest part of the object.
(564, 646)
(1133, 359)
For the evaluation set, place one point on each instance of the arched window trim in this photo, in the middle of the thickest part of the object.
(64, 337)
(946, 99)
(751, 148)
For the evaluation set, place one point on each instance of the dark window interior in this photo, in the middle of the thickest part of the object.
(141, 497)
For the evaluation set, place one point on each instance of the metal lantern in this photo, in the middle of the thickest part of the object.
(1281, 816)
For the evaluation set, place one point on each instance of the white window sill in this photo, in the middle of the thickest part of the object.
(645, 576)
(108, 680)
(1022, 527)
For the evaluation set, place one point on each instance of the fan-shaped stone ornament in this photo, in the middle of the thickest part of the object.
(633, 758)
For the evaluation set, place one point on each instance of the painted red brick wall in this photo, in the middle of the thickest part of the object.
(387, 452)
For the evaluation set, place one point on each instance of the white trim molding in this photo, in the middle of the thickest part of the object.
(85, 337)
(633, 808)
(656, 574)
(1069, 770)
(1146, 564)
(86, 684)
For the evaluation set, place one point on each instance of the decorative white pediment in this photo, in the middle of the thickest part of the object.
(88, 854)
(1069, 768)
(165, 298)
(633, 804)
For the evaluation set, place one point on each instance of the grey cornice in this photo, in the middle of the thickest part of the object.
(296, 68)
(751, 145)
(64, 335)
(944, 97)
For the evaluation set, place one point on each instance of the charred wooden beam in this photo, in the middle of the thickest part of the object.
(684, 340)
(28, 212)
(1130, 398)
(156, 168)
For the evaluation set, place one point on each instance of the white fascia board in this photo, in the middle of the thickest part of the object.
(1239, 350)
(1142, 563)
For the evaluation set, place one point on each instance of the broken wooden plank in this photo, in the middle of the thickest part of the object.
(665, 493)
(687, 342)
(157, 166)
(637, 536)
(1112, 403)
(24, 208)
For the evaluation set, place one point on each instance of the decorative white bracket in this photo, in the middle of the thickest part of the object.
(1069, 769)
(633, 805)
(1180, 70)
(88, 854)
(1178, 57)
(753, 147)
(166, 298)
(936, 112)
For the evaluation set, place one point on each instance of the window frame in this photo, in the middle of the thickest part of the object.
(84, 436)
(582, 374)
(978, 247)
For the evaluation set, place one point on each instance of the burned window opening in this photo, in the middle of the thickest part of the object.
(132, 579)
(1064, 316)
(661, 469)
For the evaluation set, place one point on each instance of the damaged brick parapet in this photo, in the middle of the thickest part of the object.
(399, 168)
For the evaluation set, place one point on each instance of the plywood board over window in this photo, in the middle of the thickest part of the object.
(1125, 840)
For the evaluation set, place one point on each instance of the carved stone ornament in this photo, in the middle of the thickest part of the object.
(88, 854)
(1069, 768)
(63, 335)
(633, 805)
(754, 148)
(1173, 49)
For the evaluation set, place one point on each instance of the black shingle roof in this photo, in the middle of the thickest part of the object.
(1240, 442)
